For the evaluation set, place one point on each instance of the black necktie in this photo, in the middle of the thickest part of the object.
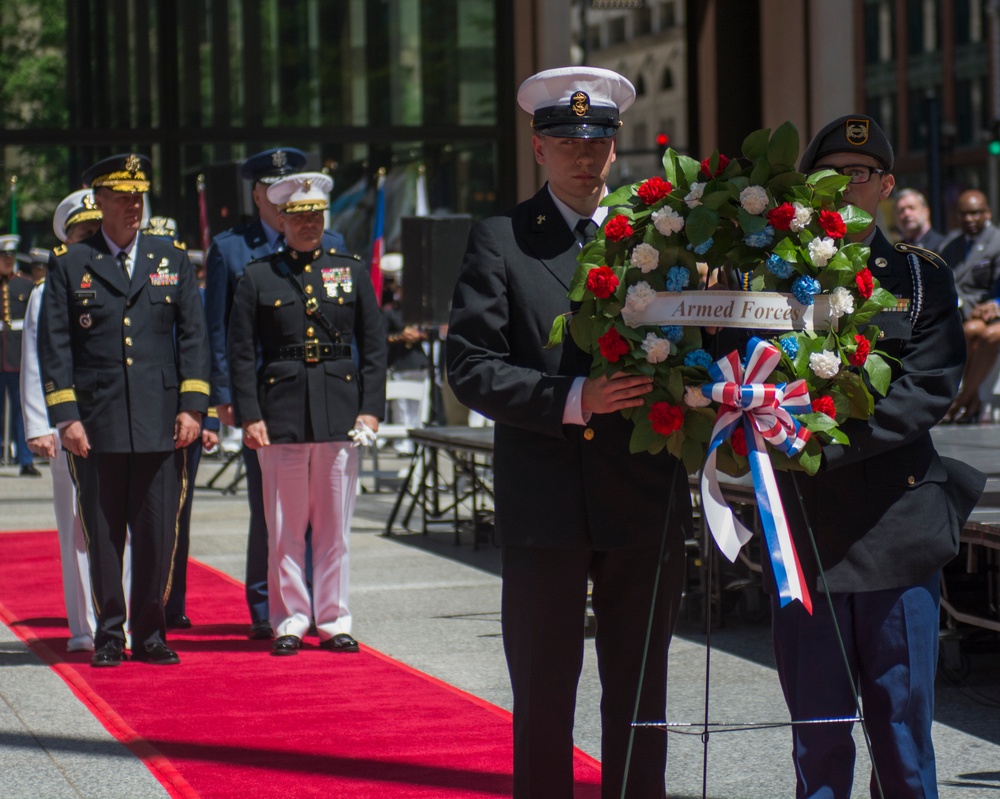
(123, 262)
(587, 228)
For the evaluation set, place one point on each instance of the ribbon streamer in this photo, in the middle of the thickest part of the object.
(765, 411)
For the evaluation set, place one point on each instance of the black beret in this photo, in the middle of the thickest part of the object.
(271, 165)
(127, 172)
(855, 133)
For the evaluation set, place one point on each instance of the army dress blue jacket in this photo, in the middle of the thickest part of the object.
(305, 385)
(14, 293)
(123, 357)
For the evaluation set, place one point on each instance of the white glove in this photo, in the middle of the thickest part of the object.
(362, 435)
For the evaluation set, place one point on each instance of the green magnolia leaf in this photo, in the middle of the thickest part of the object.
(691, 454)
(783, 149)
(578, 285)
(690, 168)
(885, 299)
(582, 329)
(620, 196)
(855, 219)
(811, 458)
(557, 332)
(761, 173)
(878, 372)
(859, 399)
(755, 145)
(716, 199)
(787, 251)
(701, 224)
(752, 223)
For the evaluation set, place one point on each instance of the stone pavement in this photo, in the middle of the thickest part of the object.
(435, 606)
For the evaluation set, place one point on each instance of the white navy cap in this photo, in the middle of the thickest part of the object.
(9, 243)
(76, 207)
(576, 102)
(297, 194)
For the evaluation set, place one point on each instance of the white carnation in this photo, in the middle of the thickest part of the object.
(753, 199)
(825, 364)
(693, 397)
(693, 197)
(803, 216)
(639, 296)
(645, 257)
(667, 221)
(657, 349)
(841, 302)
(822, 250)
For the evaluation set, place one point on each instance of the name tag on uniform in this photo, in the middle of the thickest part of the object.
(337, 279)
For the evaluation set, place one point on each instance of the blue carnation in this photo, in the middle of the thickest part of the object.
(698, 358)
(761, 239)
(779, 267)
(678, 278)
(673, 333)
(804, 287)
(704, 247)
(790, 345)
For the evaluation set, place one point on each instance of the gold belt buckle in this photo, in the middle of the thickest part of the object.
(311, 351)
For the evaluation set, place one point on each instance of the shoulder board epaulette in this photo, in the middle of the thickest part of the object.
(61, 249)
(271, 256)
(351, 255)
(180, 245)
(928, 255)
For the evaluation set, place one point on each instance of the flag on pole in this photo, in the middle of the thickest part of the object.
(378, 236)
(12, 225)
(205, 233)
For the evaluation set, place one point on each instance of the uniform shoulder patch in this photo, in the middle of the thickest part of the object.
(180, 245)
(62, 249)
(927, 255)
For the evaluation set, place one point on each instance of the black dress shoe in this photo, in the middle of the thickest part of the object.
(286, 645)
(340, 643)
(30, 471)
(261, 630)
(181, 622)
(109, 654)
(156, 655)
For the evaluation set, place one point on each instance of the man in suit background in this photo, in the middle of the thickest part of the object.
(124, 363)
(974, 254)
(885, 511)
(571, 502)
(228, 254)
(913, 218)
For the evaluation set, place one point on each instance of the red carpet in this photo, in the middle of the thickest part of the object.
(232, 721)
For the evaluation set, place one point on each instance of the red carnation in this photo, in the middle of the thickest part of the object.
(866, 285)
(706, 166)
(833, 223)
(738, 441)
(602, 282)
(654, 189)
(861, 353)
(780, 218)
(613, 346)
(666, 418)
(825, 404)
(617, 228)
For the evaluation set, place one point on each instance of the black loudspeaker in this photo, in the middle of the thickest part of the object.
(433, 247)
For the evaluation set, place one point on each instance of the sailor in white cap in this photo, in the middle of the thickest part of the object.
(76, 218)
(15, 289)
(302, 309)
(572, 503)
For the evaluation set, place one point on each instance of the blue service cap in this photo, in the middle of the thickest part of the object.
(272, 165)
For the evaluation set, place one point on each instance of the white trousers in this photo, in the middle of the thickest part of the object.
(75, 563)
(309, 484)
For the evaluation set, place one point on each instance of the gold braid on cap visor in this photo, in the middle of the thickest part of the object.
(304, 206)
(83, 215)
(134, 182)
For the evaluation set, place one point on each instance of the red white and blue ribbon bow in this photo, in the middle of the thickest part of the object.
(765, 411)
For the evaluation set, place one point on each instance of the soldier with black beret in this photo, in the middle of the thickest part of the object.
(124, 365)
(885, 510)
(302, 309)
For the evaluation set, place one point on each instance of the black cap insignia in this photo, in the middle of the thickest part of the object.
(856, 131)
(580, 103)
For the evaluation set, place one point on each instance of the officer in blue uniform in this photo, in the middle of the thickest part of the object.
(886, 511)
(124, 362)
(228, 254)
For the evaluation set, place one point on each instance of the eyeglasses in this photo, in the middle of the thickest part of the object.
(858, 173)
